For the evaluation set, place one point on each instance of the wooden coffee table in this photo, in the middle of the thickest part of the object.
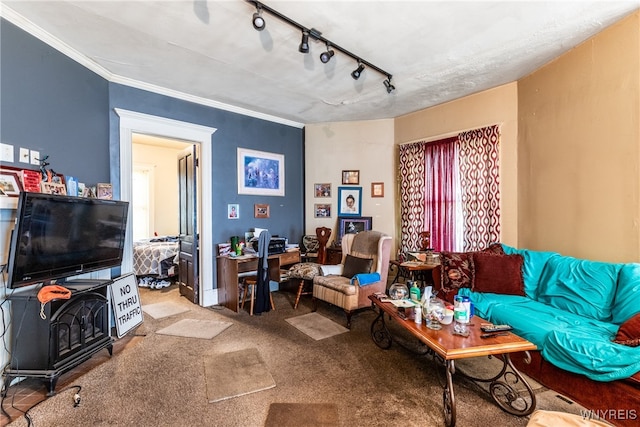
(509, 389)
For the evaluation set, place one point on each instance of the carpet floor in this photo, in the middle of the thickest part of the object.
(162, 379)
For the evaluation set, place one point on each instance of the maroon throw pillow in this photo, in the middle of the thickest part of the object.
(456, 272)
(494, 248)
(498, 274)
(629, 332)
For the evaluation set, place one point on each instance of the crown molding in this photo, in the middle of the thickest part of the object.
(31, 28)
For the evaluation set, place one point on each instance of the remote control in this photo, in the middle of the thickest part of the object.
(495, 328)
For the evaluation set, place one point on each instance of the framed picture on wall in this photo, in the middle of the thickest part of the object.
(349, 201)
(351, 177)
(260, 173)
(322, 190)
(261, 210)
(353, 225)
(377, 189)
(233, 211)
(10, 183)
(322, 210)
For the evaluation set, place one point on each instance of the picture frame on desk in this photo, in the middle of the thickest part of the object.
(353, 225)
(53, 188)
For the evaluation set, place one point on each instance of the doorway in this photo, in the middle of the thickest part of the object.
(132, 123)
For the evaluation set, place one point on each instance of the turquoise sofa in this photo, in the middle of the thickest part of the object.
(571, 309)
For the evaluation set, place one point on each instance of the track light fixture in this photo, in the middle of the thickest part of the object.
(304, 44)
(388, 85)
(326, 56)
(358, 71)
(258, 20)
(259, 24)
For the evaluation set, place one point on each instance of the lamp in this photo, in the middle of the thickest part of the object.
(388, 85)
(259, 24)
(326, 56)
(258, 20)
(304, 44)
(356, 73)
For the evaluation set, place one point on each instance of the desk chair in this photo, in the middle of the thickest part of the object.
(250, 284)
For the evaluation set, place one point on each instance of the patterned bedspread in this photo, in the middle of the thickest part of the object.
(148, 256)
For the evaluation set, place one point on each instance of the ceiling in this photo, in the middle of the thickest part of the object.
(209, 52)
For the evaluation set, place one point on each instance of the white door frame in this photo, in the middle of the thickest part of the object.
(132, 122)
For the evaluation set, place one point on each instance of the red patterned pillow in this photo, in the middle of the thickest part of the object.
(456, 272)
(498, 274)
(629, 332)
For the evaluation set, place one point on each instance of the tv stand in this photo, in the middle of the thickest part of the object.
(73, 331)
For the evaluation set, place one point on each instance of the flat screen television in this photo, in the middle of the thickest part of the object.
(58, 237)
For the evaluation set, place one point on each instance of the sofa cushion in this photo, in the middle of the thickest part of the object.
(355, 265)
(331, 269)
(494, 248)
(579, 286)
(534, 263)
(456, 272)
(498, 274)
(629, 332)
(625, 303)
(337, 283)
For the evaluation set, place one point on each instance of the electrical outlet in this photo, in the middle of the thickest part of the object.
(35, 155)
(6, 153)
(24, 155)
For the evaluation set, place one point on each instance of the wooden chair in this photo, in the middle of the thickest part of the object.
(250, 288)
(304, 272)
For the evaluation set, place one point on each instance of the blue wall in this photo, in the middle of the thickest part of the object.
(52, 104)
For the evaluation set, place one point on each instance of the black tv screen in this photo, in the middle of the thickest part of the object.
(61, 236)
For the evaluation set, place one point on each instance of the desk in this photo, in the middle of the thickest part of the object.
(508, 388)
(229, 267)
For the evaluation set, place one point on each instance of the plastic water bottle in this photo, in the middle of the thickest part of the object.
(461, 314)
(417, 312)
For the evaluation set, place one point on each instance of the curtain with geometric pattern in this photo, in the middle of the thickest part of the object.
(480, 186)
(411, 179)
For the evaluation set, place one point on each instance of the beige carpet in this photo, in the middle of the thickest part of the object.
(235, 374)
(302, 415)
(316, 326)
(194, 328)
(163, 309)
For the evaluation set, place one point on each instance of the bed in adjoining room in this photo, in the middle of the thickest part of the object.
(155, 261)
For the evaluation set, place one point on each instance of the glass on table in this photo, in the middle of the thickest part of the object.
(435, 314)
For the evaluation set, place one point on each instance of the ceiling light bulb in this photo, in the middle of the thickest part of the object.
(326, 56)
(389, 86)
(304, 44)
(258, 20)
(356, 73)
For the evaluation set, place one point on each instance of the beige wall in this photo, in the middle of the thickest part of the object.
(579, 149)
(366, 146)
(496, 106)
(165, 160)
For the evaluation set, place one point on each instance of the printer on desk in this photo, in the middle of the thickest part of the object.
(277, 245)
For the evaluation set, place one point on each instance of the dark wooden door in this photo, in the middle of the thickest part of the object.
(189, 271)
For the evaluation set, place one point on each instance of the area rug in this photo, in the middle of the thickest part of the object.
(316, 326)
(194, 328)
(235, 374)
(163, 309)
(302, 415)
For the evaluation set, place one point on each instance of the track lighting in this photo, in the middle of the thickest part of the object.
(304, 44)
(259, 24)
(258, 20)
(356, 73)
(326, 56)
(388, 85)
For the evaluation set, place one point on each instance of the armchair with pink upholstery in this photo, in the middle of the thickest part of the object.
(367, 248)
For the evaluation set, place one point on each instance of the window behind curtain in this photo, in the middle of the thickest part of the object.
(450, 187)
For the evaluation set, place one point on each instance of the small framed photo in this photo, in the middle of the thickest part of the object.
(349, 201)
(377, 189)
(353, 225)
(261, 210)
(104, 191)
(322, 190)
(233, 211)
(322, 210)
(53, 188)
(351, 177)
(10, 184)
